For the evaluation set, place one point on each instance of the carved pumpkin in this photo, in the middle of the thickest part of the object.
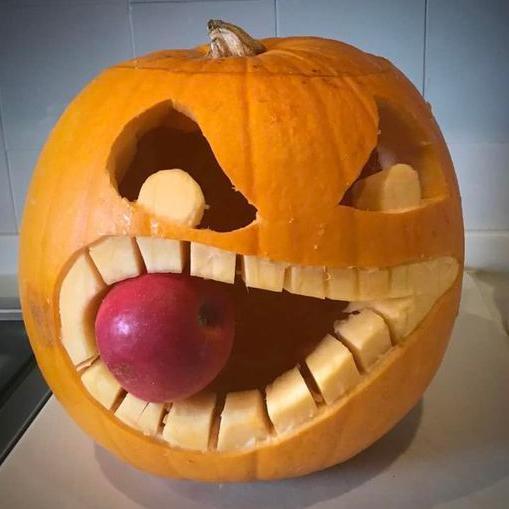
(333, 219)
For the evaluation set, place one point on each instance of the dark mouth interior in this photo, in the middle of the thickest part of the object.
(274, 332)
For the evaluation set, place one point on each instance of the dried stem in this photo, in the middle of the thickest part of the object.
(227, 40)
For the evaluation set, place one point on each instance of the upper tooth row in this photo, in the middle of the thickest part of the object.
(119, 258)
(116, 258)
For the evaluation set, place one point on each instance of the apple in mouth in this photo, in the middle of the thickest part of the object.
(165, 337)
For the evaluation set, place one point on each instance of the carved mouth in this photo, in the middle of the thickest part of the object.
(305, 336)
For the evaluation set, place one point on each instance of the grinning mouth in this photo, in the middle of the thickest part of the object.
(305, 336)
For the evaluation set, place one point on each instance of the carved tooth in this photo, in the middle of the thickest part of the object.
(212, 263)
(162, 255)
(396, 313)
(150, 419)
(262, 273)
(188, 422)
(373, 283)
(395, 188)
(173, 195)
(402, 315)
(424, 277)
(289, 401)
(116, 258)
(400, 284)
(308, 281)
(333, 368)
(422, 306)
(78, 302)
(243, 421)
(433, 277)
(101, 384)
(430, 277)
(130, 410)
(447, 273)
(366, 335)
(341, 284)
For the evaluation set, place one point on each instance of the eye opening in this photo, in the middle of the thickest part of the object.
(403, 139)
(164, 137)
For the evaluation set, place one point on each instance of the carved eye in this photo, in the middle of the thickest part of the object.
(402, 172)
(394, 188)
(163, 138)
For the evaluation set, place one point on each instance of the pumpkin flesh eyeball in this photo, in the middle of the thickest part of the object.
(173, 195)
(165, 336)
(395, 188)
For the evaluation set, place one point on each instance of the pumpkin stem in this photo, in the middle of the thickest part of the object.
(227, 40)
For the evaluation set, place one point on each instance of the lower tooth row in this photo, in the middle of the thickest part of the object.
(336, 367)
(247, 417)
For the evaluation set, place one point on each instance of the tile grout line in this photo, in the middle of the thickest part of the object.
(131, 27)
(425, 47)
(276, 19)
(495, 231)
(8, 168)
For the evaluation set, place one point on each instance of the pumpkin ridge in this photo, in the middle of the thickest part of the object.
(255, 72)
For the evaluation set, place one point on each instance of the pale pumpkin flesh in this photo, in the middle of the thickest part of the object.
(295, 237)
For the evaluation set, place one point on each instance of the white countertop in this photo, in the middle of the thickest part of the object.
(451, 451)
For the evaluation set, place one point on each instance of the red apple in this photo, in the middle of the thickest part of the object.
(165, 336)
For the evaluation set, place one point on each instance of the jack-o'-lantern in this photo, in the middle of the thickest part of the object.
(301, 183)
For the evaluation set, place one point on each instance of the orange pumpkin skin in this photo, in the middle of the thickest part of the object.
(270, 103)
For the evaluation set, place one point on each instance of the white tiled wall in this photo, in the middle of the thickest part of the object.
(159, 25)
(390, 28)
(467, 82)
(48, 51)
(7, 219)
(455, 51)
